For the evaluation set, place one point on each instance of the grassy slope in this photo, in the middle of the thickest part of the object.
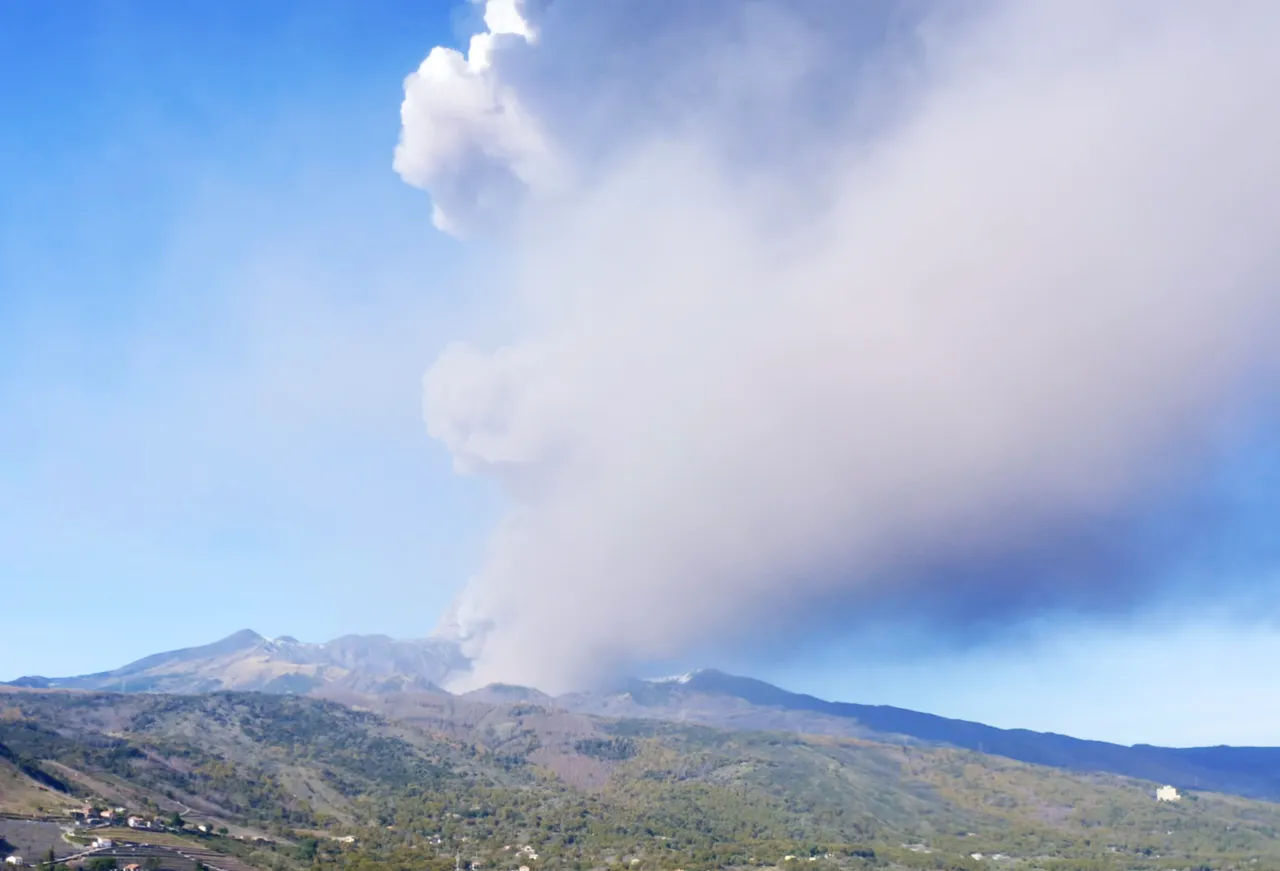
(19, 794)
(588, 791)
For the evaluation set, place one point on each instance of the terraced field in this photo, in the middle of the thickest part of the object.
(32, 839)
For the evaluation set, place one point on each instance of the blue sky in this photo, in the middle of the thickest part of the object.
(216, 305)
(217, 302)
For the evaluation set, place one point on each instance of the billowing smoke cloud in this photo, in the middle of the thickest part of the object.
(824, 296)
(467, 139)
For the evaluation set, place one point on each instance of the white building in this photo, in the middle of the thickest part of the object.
(1167, 793)
(13, 860)
(104, 843)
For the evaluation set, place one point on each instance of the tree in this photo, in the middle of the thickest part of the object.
(307, 849)
(151, 863)
(176, 820)
(222, 830)
(50, 858)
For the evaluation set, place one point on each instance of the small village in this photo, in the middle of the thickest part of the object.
(110, 837)
(99, 818)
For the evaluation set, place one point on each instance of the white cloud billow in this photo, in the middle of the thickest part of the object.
(463, 130)
(1025, 260)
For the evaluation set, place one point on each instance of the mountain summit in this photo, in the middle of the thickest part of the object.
(246, 660)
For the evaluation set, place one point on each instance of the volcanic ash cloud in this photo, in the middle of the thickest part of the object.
(804, 295)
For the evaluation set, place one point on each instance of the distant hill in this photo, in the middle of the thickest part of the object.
(724, 700)
(501, 693)
(248, 661)
(403, 678)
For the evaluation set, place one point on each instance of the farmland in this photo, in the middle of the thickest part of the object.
(34, 838)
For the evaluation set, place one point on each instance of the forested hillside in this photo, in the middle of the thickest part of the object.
(583, 792)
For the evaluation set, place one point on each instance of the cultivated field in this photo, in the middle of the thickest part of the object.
(142, 836)
(32, 840)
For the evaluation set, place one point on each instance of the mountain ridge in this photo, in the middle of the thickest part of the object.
(1250, 771)
(247, 660)
(374, 670)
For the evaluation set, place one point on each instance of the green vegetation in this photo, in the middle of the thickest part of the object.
(592, 794)
(141, 836)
